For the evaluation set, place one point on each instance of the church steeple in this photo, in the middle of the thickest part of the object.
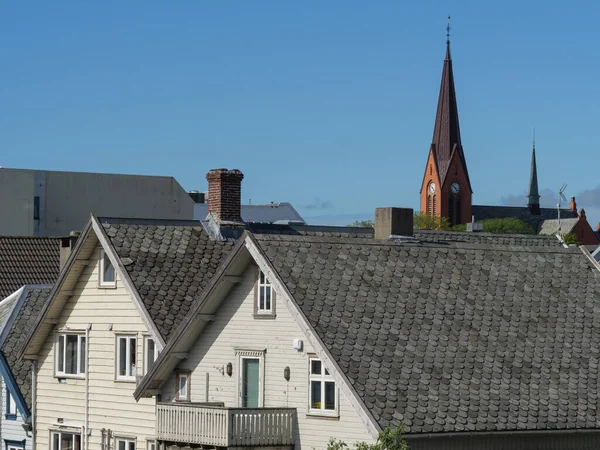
(533, 198)
(446, 189)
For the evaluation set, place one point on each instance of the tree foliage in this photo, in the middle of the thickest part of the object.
(426, 222)
(362, 224)
(507, 225)
(389, 439)
(570, 238)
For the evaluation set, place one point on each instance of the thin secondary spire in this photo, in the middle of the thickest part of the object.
(533, 198)
(448, 31)
(534, 138)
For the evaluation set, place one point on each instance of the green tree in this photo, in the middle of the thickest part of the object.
(362, 224)
(426, 222)
(389, 439)
(570, 238)
(507, 225)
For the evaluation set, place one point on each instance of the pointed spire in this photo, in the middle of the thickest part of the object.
(446, 131)
(533, 198)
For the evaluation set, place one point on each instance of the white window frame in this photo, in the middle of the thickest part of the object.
(242, 354)
(80, 363)
(150, 445)
(262, 286)
(147, 340)
(128, 376)
(127, 441)
(322, 378)
(14, 447)
(188, 385)
(52, 433)
(102, 282)
(11, 406)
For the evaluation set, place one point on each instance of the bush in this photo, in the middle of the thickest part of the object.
(362, 224)
(426, 222)
(507, 225)
(570, 238)
(389, 439)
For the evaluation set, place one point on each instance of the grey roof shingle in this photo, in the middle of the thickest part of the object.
(27, 260)
(551, 226)
(170, 262)
(34, 300)
(454, 337)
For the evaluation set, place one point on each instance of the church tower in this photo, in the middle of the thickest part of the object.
(446, 189)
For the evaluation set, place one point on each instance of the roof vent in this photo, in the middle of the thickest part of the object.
(474, 226)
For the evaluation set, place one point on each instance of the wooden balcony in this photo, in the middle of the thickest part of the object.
(202, 424)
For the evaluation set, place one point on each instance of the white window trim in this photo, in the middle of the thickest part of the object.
(53, 432)
(150, 444)
(127, 337)
(62, 374)
(188, 385)
(101, 282)
(264, 312)
(242, 354)
(156, 352)
(127, 441)
(322, 378)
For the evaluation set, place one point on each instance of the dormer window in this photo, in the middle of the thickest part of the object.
(108, 276)
(264, 294)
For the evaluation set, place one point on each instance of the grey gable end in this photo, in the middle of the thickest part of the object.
(456, 338)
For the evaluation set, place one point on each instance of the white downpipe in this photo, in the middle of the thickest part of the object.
(33, 401)
(87, 385)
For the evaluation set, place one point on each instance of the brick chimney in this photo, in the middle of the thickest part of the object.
(224, 195)
(582, 214)
(393, 222)
(573, 205)
(598, 227)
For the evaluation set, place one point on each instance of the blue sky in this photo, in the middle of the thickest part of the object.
(328, 105)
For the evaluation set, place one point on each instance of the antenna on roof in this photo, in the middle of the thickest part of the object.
(561, 196)
(249, 210)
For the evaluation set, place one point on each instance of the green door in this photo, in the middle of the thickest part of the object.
(250, 382)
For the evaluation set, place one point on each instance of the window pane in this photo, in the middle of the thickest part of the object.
(55, 441)
(131, 445)
(182, 386)
(82, 355)
(122, 445)
(61, 354)
(268, 296)
(315, 367)
(262, 277)
(315, 396)
(132, 355)
(109, 270)
(71, 356)
(122, 357)
(261, 297)
(149, 354)
(329, 395)
(67, 442)
(77, 442)
(326, 372)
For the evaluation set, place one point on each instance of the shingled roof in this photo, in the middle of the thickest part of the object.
(453, 337)
(27, 260)
(170, 262)
(28, 310)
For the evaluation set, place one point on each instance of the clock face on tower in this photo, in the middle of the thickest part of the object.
(455, 188)
(432, 188)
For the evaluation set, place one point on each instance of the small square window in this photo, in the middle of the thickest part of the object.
(108, 276)
(151, 445)
(11, 406)
(65, 441)
(126, 358)
(182, 388)
(125, 444)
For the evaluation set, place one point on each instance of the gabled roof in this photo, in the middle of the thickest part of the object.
(453, 339)
(29, 303)
(439, 337)
(446, 132)
(169, 263)
(551, 226)
(28, 260)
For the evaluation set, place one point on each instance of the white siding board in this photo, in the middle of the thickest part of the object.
(111, 402)
(12, 430)
(235, 327)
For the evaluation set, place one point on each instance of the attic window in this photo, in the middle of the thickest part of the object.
(108, 276)
(264, 297)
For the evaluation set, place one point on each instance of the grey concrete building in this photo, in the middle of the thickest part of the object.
(50, 203)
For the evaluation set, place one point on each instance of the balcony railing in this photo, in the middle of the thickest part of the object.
(195, 423)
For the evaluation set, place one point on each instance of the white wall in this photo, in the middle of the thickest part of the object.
(112, 405)
(12, 430)
(235, 327)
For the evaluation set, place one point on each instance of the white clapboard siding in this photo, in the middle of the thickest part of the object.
(111, 403)
(235, 327)
(12, 430)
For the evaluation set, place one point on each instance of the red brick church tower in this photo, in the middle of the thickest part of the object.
(446, 189)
